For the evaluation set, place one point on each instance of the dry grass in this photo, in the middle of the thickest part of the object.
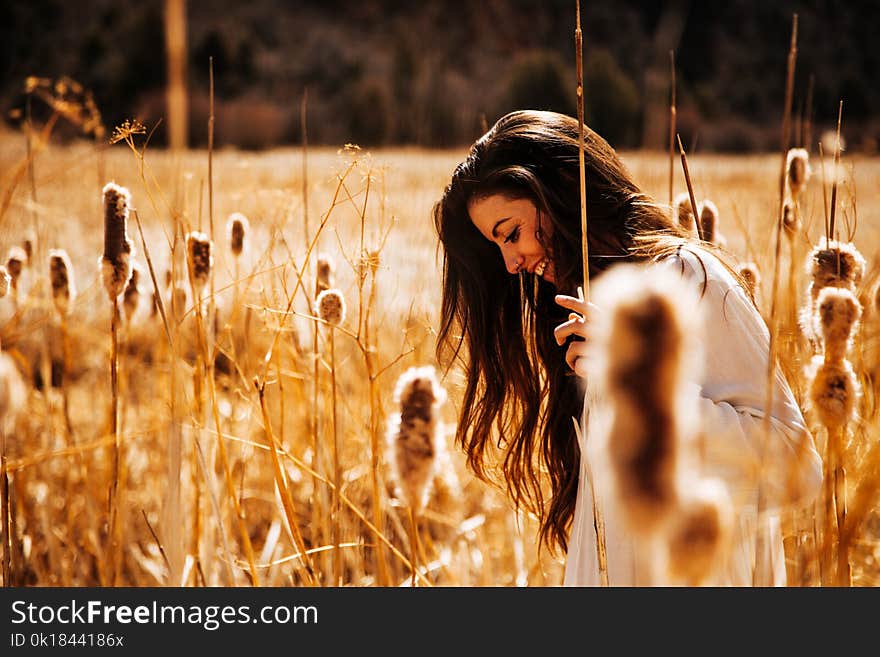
(375, 216)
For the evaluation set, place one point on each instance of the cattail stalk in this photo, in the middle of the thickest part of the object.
(579, 56)
(774, 290)
(835, 173)
(63, 293)
(690, 189)
(672, 124)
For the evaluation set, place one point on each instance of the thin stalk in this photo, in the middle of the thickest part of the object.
(114, 430)
(836, 168)
(4, 512)
(690, 188)
(672, 126)
(303, 109)
(774, 294)
(337, 468)
(413, 545)
(579, 56)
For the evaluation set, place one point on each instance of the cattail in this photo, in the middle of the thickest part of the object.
(178, 302)
(331, 306)
(131, 296)
(326, 267)
(700, 533)
(839, 311)
(414, 432)
(683, 211)
(27, 245)
(118, 249)
(237, 227)
(708, 220)
(829, 264)
(790, 218)
(646, 338)
(61, 278)
(797, 167)
(751, 275)
(16, 260)
(5, 281)
(200, 258)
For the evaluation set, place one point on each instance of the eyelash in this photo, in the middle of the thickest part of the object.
(512, 236)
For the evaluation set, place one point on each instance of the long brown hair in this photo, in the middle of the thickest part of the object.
(520, 396)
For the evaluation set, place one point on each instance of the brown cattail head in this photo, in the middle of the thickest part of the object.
(708, 220)
(237, 227)
(838, 313)
(751, 276)
(132, 294)
(647, 339)
(797, 167)
(700, 533)
(414, 433)
(116, 261)
(200, 259)
(834, 390)
(27, 245)
(61, 279)
(5, 281)
(836, 264)
(331, 306)
(791, 222)
(684, 213)
(16, 259)
(325, 269)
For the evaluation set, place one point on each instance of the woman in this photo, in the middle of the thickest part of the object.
(509, 225)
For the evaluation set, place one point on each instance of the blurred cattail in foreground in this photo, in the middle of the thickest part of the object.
(27, 245)
(414, 431)
(331, 306)
(324, 279)
(237, 227)
(684, 212)
(200, 259)
(709, 223)
(791, 222)
(132, 294)
(61, 279)
(5, 281)
(116, 261)
(750, 273)
(700, 533)
(647, 343)
(797, 170)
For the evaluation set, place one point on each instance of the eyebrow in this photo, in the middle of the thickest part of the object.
(498, 223)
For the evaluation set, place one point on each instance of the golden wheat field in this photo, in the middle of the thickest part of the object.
(191, 493)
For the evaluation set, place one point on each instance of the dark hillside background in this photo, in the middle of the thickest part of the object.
(432, 73)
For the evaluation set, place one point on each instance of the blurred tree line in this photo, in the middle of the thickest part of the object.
(434, 73)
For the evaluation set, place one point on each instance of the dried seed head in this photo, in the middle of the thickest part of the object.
(700, 534)
(682, 205)
(837, 264)
(797, 167)
(414, 433)
(331, 306)
(646, 337)
(16, 259)
(116, 261)
(838, 312)
(708, 220)
(132, 294)
(325, 269)
(833, 391)
(790, 220)
(237, 227)
(61, 278)
(200, 259)
(751, 275)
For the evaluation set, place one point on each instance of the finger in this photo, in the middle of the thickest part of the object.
(572, 303)
(575, 357)
(575, 326)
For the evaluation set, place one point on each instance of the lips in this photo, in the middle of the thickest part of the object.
(540, 267)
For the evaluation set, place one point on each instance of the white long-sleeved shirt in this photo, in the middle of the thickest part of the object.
(732, 398)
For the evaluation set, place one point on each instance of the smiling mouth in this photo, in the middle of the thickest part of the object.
(541, 266)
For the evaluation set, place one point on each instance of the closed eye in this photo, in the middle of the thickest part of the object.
(512, 236)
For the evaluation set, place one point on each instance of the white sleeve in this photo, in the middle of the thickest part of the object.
(733, 396)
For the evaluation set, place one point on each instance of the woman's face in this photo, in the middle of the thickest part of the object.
(513, 225)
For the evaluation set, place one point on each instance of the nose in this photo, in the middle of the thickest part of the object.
(514, 262)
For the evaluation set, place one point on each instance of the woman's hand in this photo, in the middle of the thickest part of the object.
(577, 325)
